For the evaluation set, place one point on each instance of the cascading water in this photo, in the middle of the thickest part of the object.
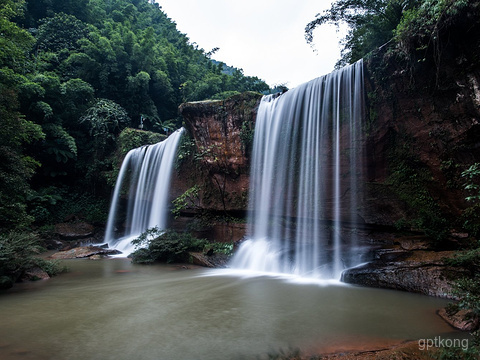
(306, 163)
(148, 170)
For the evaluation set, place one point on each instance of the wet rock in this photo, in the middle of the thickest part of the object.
(34, 274)
(463, 319)
(213, 260)
(54, 244)
(5, 282)
(74, 231)
(421, 272)
(414, 243)
(200, 259)
(84, 252)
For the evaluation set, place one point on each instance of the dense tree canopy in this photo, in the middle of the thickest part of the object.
(73, 75)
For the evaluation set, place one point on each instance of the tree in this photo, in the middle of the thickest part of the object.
(371, 24)
(105, 119)
(16, 168)
(14, 41)
(56, 77)
(60, 32)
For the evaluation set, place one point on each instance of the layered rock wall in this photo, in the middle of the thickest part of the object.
(218, 159)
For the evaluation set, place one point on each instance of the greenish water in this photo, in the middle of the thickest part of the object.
(111, 309)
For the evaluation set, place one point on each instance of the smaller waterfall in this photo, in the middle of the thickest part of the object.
(146, 173)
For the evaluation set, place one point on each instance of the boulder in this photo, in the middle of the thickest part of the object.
(84, 252)
(200, 259)
(34, 274)
(463, 319)
(211, 259)
(421, 272)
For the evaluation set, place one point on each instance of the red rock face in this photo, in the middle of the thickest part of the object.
(430, 116)
(220, 165)
(421, 119)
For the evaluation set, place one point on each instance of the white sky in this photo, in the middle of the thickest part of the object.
(265, 38)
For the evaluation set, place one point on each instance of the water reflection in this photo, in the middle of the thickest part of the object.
(111, 309)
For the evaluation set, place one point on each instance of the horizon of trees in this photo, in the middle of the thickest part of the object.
(73, 75)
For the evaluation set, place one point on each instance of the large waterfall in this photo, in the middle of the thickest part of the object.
(145, 175)
(304, 188)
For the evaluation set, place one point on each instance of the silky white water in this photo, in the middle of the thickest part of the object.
(147, 172)
(305, 175)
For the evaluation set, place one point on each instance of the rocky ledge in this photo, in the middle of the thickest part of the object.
(408, 268)
(81, 252)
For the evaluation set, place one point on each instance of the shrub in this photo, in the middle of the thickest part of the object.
(18, 254)
(467, 290)
(166, 246)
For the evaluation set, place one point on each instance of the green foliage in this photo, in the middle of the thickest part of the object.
(60, 33)
(14, 41)
(247, 134)
(18, 254)
(469, 260)
(105, 119)
(467, 290)
(186, 150)
(131, 138)
(16, 167)
(471, 215)
(92, 209)
(220, 248)
(370, 24)
(225, 95)
(41, 202)
(84, 71)
(410, 181)
(188, 200)
(454, 353)
(472, 176)
(59, 143)
(412, 25)
(168, 246)
(423, 22)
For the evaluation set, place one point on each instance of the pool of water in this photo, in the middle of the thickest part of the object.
(112, 309)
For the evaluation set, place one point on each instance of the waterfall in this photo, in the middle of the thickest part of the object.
(304, 188)
(146, 172)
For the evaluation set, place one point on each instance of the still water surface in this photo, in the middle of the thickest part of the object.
(112, 309)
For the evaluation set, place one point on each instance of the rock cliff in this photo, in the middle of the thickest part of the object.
(216, 153)
(422, 129)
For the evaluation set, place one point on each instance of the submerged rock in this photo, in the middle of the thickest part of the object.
(34, 274)
(464, 320)
(84, 252)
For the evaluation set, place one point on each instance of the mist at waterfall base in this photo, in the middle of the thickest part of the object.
(146, 172)
(304, 182)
